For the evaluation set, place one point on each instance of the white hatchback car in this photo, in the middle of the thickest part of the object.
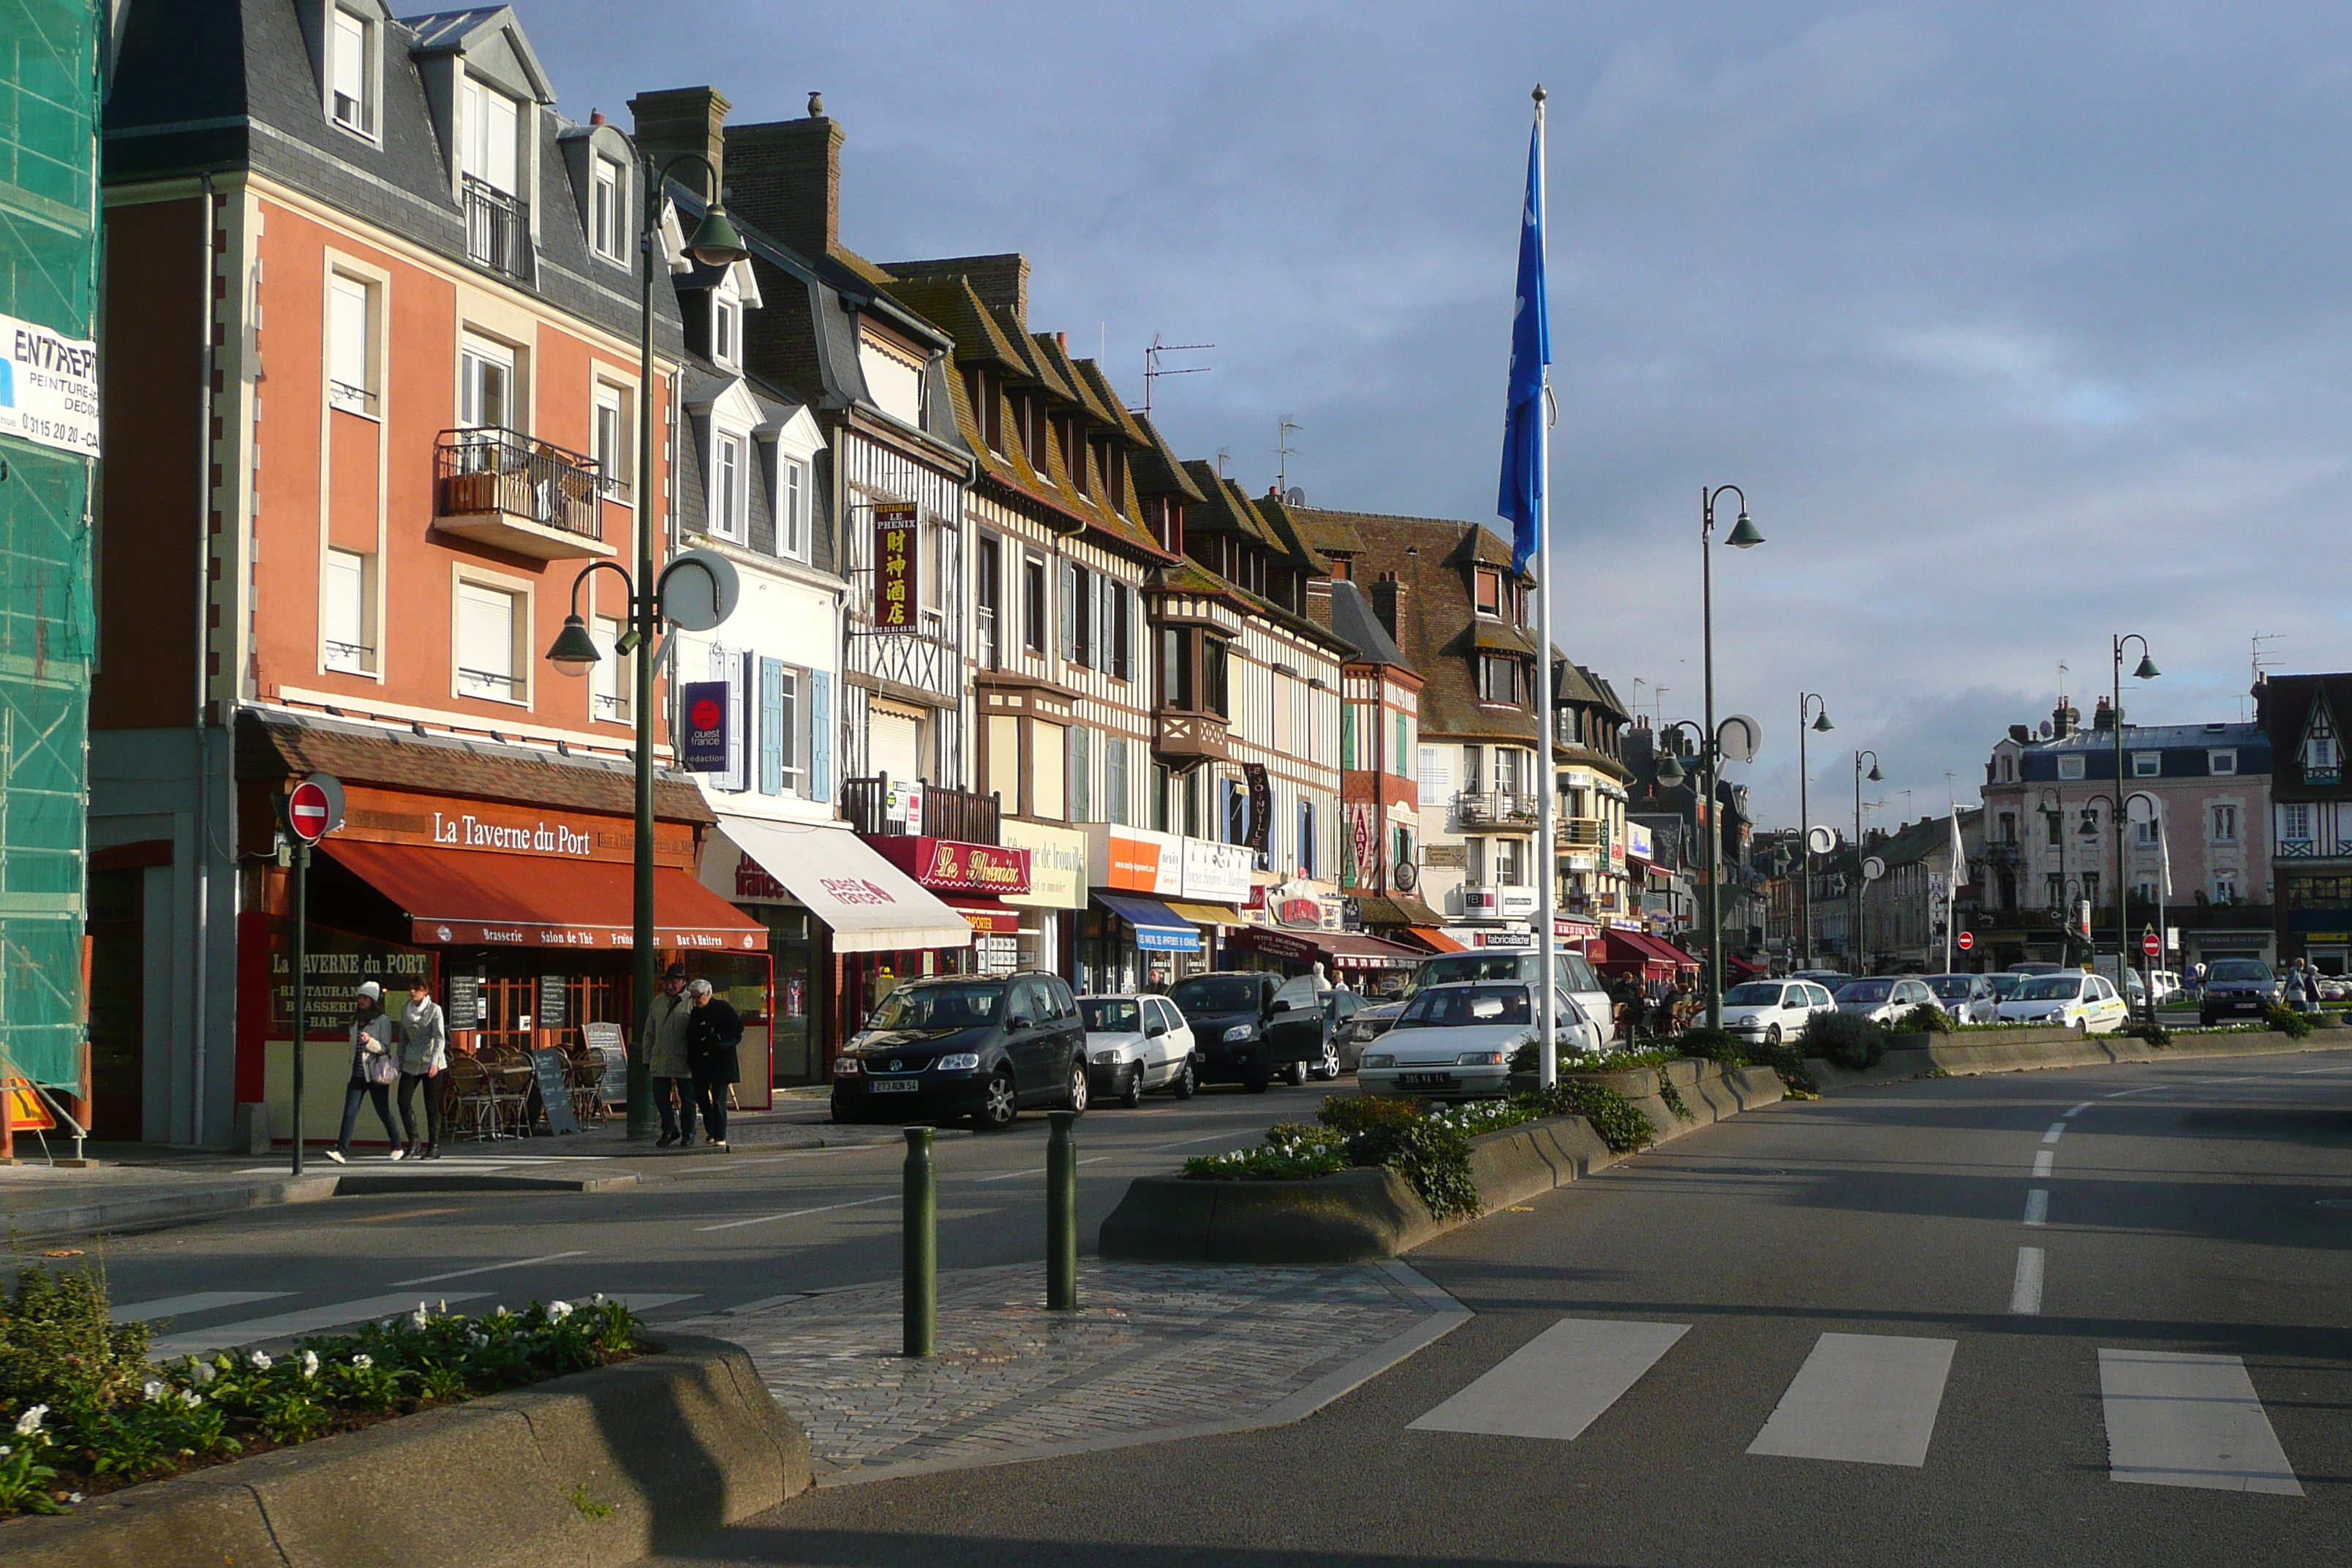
(1768, 1012)
(2069, 999)
(1136, 1044)
(1456, 1042)
(1884, 1000)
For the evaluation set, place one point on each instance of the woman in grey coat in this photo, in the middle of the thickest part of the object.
(424, 1056)
(373, 1069)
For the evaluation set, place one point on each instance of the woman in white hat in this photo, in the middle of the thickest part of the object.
(374, 1069)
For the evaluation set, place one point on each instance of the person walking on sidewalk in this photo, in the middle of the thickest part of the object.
(665, 1060)
(374, 1066)
(711, 1035)
(423, 1054)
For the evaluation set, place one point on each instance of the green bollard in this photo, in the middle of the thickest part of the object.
(920, 1217)
(1062, 1214)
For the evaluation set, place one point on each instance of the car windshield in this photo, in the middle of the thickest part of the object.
(1109, 1014)
(2004, 986)
(1455, 1005)
(2051, 988)
(1752, 994)
(1866, 990)
(1207, 993)
(2241, 969)
(961, 1006)
(1952, 987)
(1456, 967)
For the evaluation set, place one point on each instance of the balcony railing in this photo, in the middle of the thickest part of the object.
(1181, 740)
(498, 229)
(955, 814)
(1583, 832)
(503, 488)
(2004, 852)
(1496, 808)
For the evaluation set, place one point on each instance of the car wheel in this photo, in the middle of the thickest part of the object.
(1078, 1086)
(1295, 1074)
(1772, 1035)
(1257, 1083)
(998, 1108)
(1131, 1095)
(2081, 1028)
(1187, 1081)
(1327, 1068)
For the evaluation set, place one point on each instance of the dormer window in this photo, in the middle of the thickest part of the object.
(607, 182)
(491, 137)
(1488, 600)
(352, 73)
(726, 329)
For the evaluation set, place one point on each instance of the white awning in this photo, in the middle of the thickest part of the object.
(870, 905)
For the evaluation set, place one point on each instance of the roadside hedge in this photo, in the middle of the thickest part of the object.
(1853, 1042)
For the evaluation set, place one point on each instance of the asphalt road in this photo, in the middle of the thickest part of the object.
(1849, 1277)
(704, 1233)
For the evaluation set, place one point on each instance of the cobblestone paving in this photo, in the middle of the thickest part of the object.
(1155, 1349)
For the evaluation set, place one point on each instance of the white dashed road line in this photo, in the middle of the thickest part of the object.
(491, 1267)
(2044, 1161)
(795, 1214)
(2079, 1109)
(2057, 1131)
(2025, 1295)
(2037, 1206)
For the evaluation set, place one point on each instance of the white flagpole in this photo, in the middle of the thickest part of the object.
(1548, 774)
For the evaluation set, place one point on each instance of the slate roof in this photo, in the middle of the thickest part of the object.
(1354, 622)
(1327, 532)
(1435, 628)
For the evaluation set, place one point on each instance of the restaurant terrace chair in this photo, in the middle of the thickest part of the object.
(475, 1097)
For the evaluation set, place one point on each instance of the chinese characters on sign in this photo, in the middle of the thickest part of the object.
(897, 565)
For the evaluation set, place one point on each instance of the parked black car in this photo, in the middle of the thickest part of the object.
(1230, 1015)
(1308, 1043)
(983, 1046)
(2236, 988)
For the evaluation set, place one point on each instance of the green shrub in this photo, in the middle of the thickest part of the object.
(57, 1347)
(1348, 1114)
(2287, 1021)
(1926, 1018)
(1853, 1042)
(1620, 1126)
(1430, 1154)
(1266, 1165)
(2156, 1035)
(1672, 1098)
(1788, 1060)
(1718, 1046)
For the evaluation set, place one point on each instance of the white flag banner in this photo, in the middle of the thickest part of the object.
(1960, 854)
(2164, 855)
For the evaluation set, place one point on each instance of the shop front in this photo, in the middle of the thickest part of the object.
(1177, 885)
(862, 925)
(1053, 911)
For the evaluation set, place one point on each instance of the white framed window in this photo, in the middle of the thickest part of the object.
(2071, 767)
(351, 345)
(2147, 764)
(895, 384)
(492, 623)
(794, 487)
(352, 73)
(2225, 825)
(731, 492)
(347, 613)
(615, 439)
(783, 748)
(2144, 833)
(2294, 822)
(2225, 889)
(612, 683)
(491, 137)
(726, 329)
(607, 221)
(2222, 764)
(486, 387)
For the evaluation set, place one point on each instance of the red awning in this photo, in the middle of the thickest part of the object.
(1633, 947)
(1437, 939)
(1352, 949)
(988, 917)
(519, 901)
(1671, 953)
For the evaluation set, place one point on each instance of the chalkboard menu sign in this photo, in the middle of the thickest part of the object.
(548, 1070)
(550, 1000)
(465, 1003)
(604, 1045)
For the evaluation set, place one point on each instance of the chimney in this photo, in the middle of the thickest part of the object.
(1319, 601)
(1000, 281)
(683, 120)
(2103, 717)
(1388, 597)
(784, 178)
(2063, 720)
(2022, 733)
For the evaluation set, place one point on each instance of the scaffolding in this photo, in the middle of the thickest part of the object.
(49, 65)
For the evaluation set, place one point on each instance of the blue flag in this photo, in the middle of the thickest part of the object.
(1523, 431)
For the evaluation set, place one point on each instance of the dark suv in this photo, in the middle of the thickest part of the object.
(973, 1046)
(2236, 988)
(1229, 1014)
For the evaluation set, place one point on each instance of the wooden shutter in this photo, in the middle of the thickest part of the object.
(772, 726)
(1115, 748)
(1081, 775)
(820, 769)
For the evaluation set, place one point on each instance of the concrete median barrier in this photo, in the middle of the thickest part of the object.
(2033, 1050)
(597, 1469)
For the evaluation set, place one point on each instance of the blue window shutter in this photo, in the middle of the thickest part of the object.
(772, 726)
(819, 735)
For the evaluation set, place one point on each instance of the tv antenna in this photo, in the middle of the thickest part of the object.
(2265, 657)
(1152, 370)
(1224, 455)
(1282, 452)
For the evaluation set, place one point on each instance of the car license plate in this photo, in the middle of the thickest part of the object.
(1425, 1081)
(886, 1086)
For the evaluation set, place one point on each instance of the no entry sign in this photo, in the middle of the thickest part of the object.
(2150, 944)
(315, 808)
(1965, 940)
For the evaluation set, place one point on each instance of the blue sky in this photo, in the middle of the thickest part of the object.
(2019, 324)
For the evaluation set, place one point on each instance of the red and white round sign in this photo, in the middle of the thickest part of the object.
(309, 812)
(1965, 940)
(2151, 944)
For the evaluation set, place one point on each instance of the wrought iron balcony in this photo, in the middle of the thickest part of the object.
(498, 229)
(1583, 832)
(2004, 852)
(504, 488)
(1496, 808)
(1180, 740)
(955, 814)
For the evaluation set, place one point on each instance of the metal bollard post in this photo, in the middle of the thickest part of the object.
(919, 1217)
(1062, 1214)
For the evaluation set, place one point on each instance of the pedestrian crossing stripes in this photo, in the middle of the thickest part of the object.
(196, 1301)
(2172, 1419)
(287, 1325)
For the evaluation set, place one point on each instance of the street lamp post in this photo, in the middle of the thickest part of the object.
(715, 244)
(1854, 936)
(2146, 671)
(2051, 803)
(1805, 701)
(1744, 535)
(2118, 806)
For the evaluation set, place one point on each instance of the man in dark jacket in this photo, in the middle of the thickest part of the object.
(712, 1032)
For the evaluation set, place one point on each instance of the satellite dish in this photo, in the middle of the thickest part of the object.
(699, 589)
(1820, 840)
(1294, 496)
(1873, 868)
(1739, 737)
(2045, 729)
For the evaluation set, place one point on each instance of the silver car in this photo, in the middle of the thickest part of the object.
(1968, 998)
(1883, 1000)
(1456, 1042)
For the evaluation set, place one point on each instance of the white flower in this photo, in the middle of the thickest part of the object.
(155, 1391)
(75, 1498)
(28, 1425)
(191, 1398)
(4, 1450)
(310, 1363)
(597, 1299)
(260, 1361)
(419, 1317)
(558, 1310)
(362, 1361)
(201, 1370)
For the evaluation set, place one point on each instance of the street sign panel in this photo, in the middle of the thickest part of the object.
(702, 705)
(2150, 945)
(315, 808)
(1966, 941)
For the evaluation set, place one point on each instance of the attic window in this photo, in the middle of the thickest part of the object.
(1489, 600)
(351, 72)
(606, 209)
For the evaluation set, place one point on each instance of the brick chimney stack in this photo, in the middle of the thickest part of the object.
(677, 120)
(1388, 597)
(784, 178)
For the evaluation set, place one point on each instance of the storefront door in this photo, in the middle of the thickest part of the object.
(508, 1003)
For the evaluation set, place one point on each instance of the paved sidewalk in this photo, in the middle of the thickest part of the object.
(1156, 1352)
